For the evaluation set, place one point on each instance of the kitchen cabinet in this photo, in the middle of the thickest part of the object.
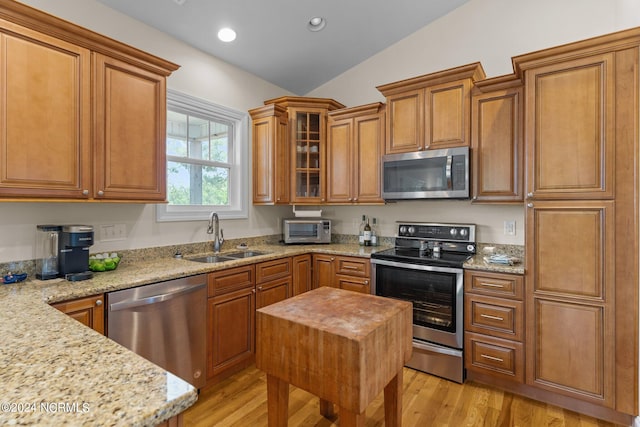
(354, 148)
(494, 326)
(344, 272)
(88, 310)
(307, 124)
(430, 111)
(497, 123)
(301, 276)
(83, 115)
(271, 155)
(230, 321)
(582, 223)
(273, 281)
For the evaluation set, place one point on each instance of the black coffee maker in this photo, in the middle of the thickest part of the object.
(73, 252)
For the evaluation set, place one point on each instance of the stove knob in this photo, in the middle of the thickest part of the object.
(463, 232)
(470, 248)
(453, 232)
(403, 229)
(412, 230)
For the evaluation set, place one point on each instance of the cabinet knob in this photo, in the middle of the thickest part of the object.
(259, 288)
(355, 199)
(474, 198)
(366, 282)
(100, 193)
(85, 192)
(529, 195)
(529, 205)
(322, 200)
(332, 259)
(99, 302)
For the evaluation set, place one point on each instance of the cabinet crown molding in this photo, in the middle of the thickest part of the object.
(304, 101)
(345, 113)
(472, 71)
(36, 20)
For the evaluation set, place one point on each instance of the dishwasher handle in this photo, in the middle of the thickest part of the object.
(123, 305)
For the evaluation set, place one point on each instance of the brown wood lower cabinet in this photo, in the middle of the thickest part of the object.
(344, 272)
(230, 322)
(494, 326)
(89, 311)
(301, 278)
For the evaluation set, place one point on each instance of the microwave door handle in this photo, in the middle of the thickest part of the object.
(447, 172)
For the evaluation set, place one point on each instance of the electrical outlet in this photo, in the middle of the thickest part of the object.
(510, 228)
(113, 232)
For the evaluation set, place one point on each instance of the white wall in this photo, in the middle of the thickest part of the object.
(490, 31)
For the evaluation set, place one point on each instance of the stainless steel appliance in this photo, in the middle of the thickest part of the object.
(425, 267)
(306, 230)
(165, 323)
(428, 174)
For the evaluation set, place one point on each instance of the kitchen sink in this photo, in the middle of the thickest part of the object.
(245, 254)
(211, 259)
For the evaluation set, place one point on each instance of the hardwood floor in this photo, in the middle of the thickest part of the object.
(241, 401)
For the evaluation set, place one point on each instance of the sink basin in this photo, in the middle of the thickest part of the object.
(245, 254)
(211, 259)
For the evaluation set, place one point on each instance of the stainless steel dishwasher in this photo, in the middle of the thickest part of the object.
(165, 323)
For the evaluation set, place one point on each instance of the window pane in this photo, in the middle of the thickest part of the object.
(198, 136)
(176, 134)
(219, 137)
(190, 184)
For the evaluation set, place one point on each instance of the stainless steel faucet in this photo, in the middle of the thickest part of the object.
(214, 228)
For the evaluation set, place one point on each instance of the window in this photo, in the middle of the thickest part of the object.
(207, 164)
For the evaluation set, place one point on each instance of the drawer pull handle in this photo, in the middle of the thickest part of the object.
(495, 359)
(492, 285)
(488, 316)
(349, 267)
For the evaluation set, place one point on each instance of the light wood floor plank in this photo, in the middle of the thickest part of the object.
(428, 401)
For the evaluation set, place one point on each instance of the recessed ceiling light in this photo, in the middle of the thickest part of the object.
(316, 23)
(227, 35)
(179, 2)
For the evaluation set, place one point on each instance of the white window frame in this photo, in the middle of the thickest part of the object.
(239, 173)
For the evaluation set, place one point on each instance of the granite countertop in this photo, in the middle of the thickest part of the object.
(56, 371)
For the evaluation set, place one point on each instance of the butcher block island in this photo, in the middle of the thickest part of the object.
(342, 346)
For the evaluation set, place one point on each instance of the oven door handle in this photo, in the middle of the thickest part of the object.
(416, 266)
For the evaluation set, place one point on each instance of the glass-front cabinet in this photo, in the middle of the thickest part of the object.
(309, 155)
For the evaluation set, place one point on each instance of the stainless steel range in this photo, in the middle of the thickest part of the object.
(425, 267)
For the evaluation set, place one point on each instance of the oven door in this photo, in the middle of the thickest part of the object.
(436, 294)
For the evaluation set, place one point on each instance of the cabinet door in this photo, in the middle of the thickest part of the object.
(570, 129)
(340, 160)
(405, 122)
(447, 114)
(230, 331)
(323, 270)
(496, 141)
(45, 116)
(308, 133)
(368, 145)
(130, 122)
(270, 150)
(89, 311)
(301, 274)
(570, 291)
(272, 292)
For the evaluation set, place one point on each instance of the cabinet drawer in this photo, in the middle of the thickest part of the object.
(498, 284)
(353, 266)
(232, 279)
(270, 270)
(350, 283)
(494, 316)
(500, 358)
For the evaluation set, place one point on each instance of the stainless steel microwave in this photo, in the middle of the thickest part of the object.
(306, 230)
(428, 174)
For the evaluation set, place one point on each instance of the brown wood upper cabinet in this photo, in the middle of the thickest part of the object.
(271, 155)
(83, 116)
(431, 111)
(88, 310)
(497, 140)
(354, 148)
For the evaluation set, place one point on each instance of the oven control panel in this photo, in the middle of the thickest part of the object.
(437, 231)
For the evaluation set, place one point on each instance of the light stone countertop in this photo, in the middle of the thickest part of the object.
(56, 371)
